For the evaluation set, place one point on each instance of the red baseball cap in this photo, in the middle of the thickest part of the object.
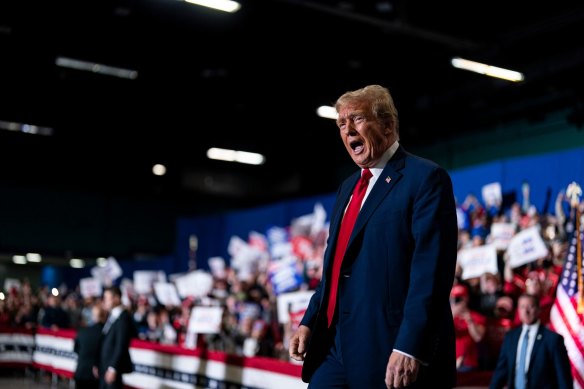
(459, 290)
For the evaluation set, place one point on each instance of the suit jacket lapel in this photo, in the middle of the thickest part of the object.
(337, 216)
(514, 345)
(382, 187)
(112, 321)
(536, 345)
(108, 324)
(378, 192)
(344, 196)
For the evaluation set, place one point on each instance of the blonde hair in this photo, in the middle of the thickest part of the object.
(380, 103)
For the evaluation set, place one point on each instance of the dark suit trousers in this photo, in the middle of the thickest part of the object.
(87, 384)
(331, 373)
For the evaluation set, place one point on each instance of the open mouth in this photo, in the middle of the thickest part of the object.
(356, 146)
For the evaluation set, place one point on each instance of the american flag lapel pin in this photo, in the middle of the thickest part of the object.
(388, 179)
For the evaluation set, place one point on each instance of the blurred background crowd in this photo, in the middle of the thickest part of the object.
(258, 302)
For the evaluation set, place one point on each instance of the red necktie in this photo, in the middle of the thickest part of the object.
(343, 238)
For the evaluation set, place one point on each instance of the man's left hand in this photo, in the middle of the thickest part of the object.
(401, 371)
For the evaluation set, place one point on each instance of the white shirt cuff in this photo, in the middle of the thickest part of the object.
(411, 356)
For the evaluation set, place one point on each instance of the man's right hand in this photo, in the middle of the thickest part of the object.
(299, 343)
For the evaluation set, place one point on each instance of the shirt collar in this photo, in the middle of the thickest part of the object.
(531, 327)
(116, 311)
(380, 165)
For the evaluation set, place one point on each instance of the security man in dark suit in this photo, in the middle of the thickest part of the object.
(117, 333)
(532, 356)
(87, 343)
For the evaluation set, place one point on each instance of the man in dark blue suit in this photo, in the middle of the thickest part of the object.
(546, 364)
(390, 324)
(118, 331)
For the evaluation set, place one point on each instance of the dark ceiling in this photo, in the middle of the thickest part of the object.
(252, 81)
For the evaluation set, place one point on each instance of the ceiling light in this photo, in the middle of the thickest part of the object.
(77, 263)
(159, 170)
(26, 128)
(101, 262)
(235, 156)
(33, 257)
(221, 5)
(327, 112)
(19, 259)
(488, 70)
(96, 68)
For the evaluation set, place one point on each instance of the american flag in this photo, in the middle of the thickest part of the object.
(565, 318)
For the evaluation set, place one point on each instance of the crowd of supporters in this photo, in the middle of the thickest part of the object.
(484, 307)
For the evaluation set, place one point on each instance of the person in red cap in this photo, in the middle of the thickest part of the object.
(469, 328)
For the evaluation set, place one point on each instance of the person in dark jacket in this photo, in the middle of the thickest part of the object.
(117, 333)
(380, 317)
(53, 315)
(543, 362)
(86, 346)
